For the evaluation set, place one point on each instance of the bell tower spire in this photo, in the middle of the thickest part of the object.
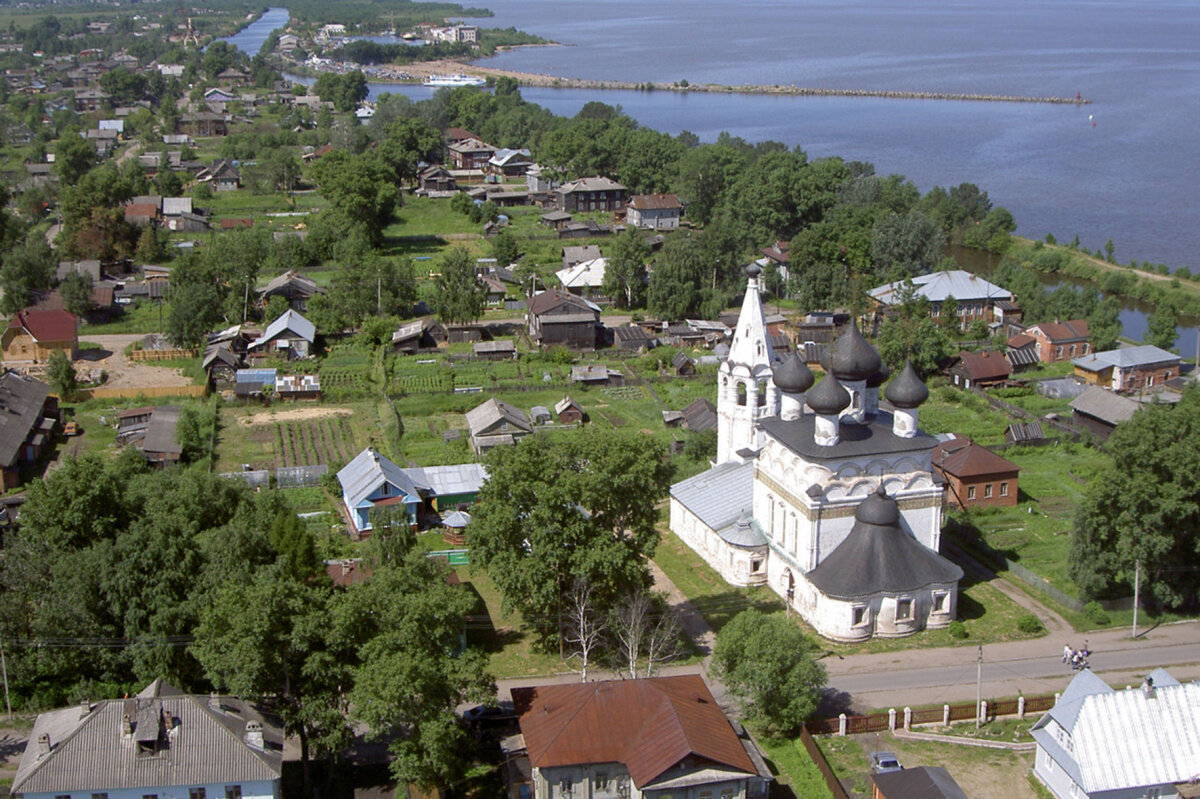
(745, 389)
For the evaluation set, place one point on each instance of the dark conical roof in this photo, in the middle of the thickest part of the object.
(907, 390)
(853, 356)
(793, 376)
(753, 269)
(829, 397)
(879, 378)
(878, 556)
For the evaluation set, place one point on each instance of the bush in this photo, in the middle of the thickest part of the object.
(1030, 624)
(1095, 613)
(958, 630)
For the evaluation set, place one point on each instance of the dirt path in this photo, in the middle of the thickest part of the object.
(122, 372)
(293, 415)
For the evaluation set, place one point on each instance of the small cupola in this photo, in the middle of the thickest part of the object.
(853, 356)
(793, 378)
(906, 393)
(827, 400)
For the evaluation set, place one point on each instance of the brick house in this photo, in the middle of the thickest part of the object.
(1060, 341)
(975, 476)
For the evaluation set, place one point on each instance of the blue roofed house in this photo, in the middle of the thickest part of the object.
(1097, 742)
(372, 481)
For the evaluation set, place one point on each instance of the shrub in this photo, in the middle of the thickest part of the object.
(1030, 624)
(1095, 613)
(958, 630)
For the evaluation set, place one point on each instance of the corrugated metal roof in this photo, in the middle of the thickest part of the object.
(719, 496)
(1125, 358)
(463, 478)
(649, 725)
(21, 401)
(90, 753)
(938, 286)
(288, 320)
(586, 274)
(1105, 405)
(367, 471)
(481, 417)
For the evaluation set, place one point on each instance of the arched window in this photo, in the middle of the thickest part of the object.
(741, 393)
(762, 393)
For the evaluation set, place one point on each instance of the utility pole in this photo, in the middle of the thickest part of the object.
(1137, 578)
(4, 671)
(978, 687)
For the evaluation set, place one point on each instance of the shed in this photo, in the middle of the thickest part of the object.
(540, 414)
(569, 411)
(683, 365)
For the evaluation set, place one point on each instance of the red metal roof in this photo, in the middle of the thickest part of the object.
(648, 725)
(962, 457)
(51, 325)
(986, 365)
(1056, 332)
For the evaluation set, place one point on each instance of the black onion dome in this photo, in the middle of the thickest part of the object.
(829, 397)
(878, 509)
(853, 356)
(793, 376)
(907, 390)
(753, 269)
(879, 378)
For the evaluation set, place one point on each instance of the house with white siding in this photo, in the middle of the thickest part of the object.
(1101, 743)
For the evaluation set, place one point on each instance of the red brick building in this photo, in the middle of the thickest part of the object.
(1060, 341)
(975, 476)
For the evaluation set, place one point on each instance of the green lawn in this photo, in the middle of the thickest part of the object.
(512, 650)
(792, 766)
(142, 317)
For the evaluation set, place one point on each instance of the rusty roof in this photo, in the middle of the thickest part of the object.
(656, 202)
(986, 365)
(1073, 330)
(962, 457)
(648, 725)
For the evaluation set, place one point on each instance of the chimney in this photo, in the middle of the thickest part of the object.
(254, 735)
(214, 702)
(43, 744)
(85, 707)
(1148, 688)
(168, 719)
(126, 725)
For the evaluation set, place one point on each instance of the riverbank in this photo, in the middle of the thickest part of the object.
(422, 68)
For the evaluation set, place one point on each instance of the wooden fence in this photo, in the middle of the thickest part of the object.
(148, 391)
(161, 355)
(814, 751)
(878, 722)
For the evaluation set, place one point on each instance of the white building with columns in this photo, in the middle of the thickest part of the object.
(818, 492)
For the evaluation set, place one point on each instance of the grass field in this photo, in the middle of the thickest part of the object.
(512, 650)
(792, 766)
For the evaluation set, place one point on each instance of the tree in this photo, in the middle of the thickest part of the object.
(911, 335)
(948, 318)
(585, 628)
(1144, 508)
(767, 664)
(625, 272)
(361, 190)
(194, 432)
(73, 157)
(195, 310)
(645, 627)
(76, 292)
(677, 285)
(1161, 330)
(559, 509)
(906, 245)
(505, 249)
(60, 373)
(1104, 324)
(461, 296)
(27, 269)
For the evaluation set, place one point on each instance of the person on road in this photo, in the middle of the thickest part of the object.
(1067, 652)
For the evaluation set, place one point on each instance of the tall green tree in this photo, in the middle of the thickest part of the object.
(73, 157)
(76, 292)
(768, 664)
(27, 269)
(1144, 509)
(1161, 330)
(60, 373)
(361, 190)
(681, 281)
(625, 273)
(911, 335)
(461, 296)
(559, 509)
(1104, 324)
(906, 245)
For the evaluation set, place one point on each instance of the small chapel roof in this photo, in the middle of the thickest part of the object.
(879, 557)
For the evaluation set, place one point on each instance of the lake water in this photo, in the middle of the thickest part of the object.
(1129, 177)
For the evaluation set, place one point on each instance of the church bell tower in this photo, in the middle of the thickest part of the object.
(745, 390)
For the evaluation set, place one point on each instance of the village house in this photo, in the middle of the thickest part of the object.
(436, 179)
(1128, 368)
(986, 368)
(160, 742)
(654, 211)
(423, 334)
(584, 279)
(975, 476)
(293, 287)
(222, 175)
(1098, 742)
(28, 417)
(203, 123)
(509, 163)
(569, 411)
(578, 254)
(653, 738)
(1060, 341)
(495, 424)
(32, 335)
(557, 317)
(372, 481)
(1099, 411)
(290, 337)
(976, 298)
(590, 194)
(922, 782)
(220, 364)
(153, 431)
(470, 154)
(499, 350)
(89, 101)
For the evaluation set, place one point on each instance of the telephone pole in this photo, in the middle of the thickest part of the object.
(1137, 579)
(978, 688)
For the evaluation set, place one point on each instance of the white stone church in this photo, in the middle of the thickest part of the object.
(817, 492)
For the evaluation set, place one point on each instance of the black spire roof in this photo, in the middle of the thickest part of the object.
(853, 357)
(793, 376)
(829, 397)
(753, 269)
(907, 390)
(878, 557)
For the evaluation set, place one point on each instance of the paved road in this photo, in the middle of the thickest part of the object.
(925, 676)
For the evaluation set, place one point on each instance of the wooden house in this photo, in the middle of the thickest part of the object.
(654, 211)
(591, 194)
(496, 423)
(30, 415)
(569, 411)
(986, 368)
(560, 318)
(291, 337)
(32, 335)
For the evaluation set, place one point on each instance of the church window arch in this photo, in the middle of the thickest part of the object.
(762, 393)
(741, 393)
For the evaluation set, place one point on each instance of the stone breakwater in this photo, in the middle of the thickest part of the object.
(550, 81)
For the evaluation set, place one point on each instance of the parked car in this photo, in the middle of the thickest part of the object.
(884, 762)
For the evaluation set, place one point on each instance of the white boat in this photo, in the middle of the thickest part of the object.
(453, 80)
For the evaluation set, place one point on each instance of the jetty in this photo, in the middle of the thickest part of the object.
(420, 69)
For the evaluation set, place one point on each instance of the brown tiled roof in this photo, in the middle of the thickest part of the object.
(1021, 340)
(648, 725)
(1073, 330)
(986, 365)
(46, 325)
(962, 457)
